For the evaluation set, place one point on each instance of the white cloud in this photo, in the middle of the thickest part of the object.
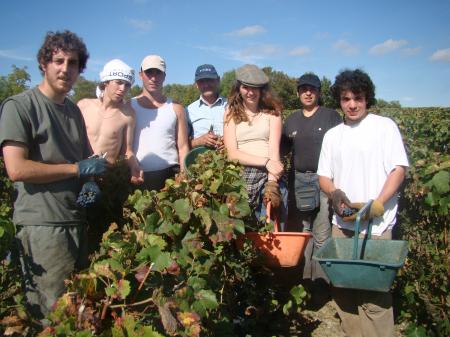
(300, 51)
(141, 25)
(412, 51)
(387, 47)
(345, 47)
(14, 55)
(251, 54)
(254, 53)
(247, 31)
(441, 55)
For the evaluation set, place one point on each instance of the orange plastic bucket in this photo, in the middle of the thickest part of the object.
(281, 249)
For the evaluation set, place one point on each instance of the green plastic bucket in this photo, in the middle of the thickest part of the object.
(189, 159)
(362, 263)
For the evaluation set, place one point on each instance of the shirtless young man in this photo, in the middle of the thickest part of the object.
(109, 120)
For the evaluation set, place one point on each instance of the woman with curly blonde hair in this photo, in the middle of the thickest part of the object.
(252, 133)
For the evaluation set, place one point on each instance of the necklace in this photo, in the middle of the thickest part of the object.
(251, 118)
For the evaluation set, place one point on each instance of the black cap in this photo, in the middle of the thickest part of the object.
(206, 71)
(309, 79)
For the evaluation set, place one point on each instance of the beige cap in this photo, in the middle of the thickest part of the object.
(153, 61)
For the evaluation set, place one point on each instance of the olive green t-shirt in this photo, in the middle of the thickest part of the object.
(54, 134)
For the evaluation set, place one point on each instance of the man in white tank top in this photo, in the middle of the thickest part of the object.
(161, 137)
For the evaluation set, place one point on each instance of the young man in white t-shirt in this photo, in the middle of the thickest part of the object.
(362, 159)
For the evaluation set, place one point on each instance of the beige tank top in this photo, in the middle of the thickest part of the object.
(253, 138)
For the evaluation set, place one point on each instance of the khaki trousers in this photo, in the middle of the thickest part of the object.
(364, 313)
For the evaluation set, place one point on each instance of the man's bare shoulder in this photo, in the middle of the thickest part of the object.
(178, 108)
(86, 104)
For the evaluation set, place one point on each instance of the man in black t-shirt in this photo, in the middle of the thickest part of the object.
(303, 133)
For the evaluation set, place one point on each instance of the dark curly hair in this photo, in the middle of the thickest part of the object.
(357, 81)
(65, 41)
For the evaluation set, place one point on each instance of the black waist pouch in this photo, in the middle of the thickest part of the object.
(307, 191)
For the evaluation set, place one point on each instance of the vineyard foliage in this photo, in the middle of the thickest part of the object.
(173, 269)
(423, 286)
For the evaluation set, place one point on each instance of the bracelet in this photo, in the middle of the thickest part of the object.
(265, 164)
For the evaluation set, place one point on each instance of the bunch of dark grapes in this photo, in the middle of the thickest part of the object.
(86, 198)
(90, 193)
(348, 211)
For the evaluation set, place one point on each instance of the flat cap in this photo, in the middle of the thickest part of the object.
(252, 76)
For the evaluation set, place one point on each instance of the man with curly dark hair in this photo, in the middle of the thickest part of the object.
(362, 159)
(65, 41)
(44, 144)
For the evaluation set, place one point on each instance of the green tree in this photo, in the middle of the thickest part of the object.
(326, 97)
(135, 90)
(14, 83)
(83, 88)
(284, 87)
(226, 83)
(381, 104)
(184, 94)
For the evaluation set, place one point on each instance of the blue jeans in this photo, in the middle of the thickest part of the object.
(260, 212)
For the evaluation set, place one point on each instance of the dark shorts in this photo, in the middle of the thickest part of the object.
(155, 180)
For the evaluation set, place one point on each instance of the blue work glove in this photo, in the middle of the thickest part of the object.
(92, 167)
(90, 193)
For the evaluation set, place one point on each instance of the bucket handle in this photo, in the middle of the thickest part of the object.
(275, 217)
(359, 216)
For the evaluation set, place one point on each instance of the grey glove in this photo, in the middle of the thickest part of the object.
(339, 200)
(92, 167)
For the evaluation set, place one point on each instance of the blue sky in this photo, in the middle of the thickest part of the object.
(404, 45)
